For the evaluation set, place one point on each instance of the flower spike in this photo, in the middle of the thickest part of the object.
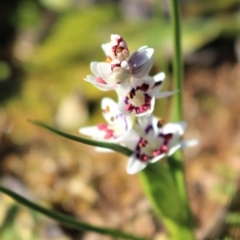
(148, 138)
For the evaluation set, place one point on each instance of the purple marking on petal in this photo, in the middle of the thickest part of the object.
(156, 152)
(138, 155)
(144, 157)
(129, 107)
(144, 87)
(164, 148)
(157, 84)
(143, 142)
(126, 125)
(138, 109)
(166, 137)
(148, 128)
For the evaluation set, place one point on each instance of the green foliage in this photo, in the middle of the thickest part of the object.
(75, 37)
(112, 146)
(200, 7)
(27, 15)
(6, 229)
(66, 220)
(163, 193)
(233, 218)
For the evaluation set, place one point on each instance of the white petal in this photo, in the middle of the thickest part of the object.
(145, 121)
(99, 135)
(158, 82)
(135, 165)
(177, 128)
(106, 47)
(93, 132)
(139, 81)
(157, 158)
(163, 94)
(189, 143)
(104, 71)
(130, 140)
(93, 67)
(123, 89)
(121, 107)
(174, 149)
(101, 86)
(120, 123)
(90, 78)
(109, 109)
(159, 77)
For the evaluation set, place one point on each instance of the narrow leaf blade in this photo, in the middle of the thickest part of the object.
(67, 220)
(115, 147)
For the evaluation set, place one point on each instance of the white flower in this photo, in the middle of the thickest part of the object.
(116, 127)
(116, 49)
(151, 141)
(102, 79)
(138, 96)
(138, 65)
(119, 67)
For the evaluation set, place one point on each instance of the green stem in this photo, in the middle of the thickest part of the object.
(176, 161)
(177, 60)
(67, 220)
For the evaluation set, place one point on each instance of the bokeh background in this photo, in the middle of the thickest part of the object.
(45, 50)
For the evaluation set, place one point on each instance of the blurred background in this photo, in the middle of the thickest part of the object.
(46, 47)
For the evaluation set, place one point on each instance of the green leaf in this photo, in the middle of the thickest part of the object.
(115, 147)
(84, 40)
(158, 184)
(160, 188)
(6, 229)
(10, 215)
(233, 218)
(67, 220)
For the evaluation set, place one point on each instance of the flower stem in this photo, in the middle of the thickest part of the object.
(177, 60)
(176, 161)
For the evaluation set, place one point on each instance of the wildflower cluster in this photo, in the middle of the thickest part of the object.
(130, 121)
